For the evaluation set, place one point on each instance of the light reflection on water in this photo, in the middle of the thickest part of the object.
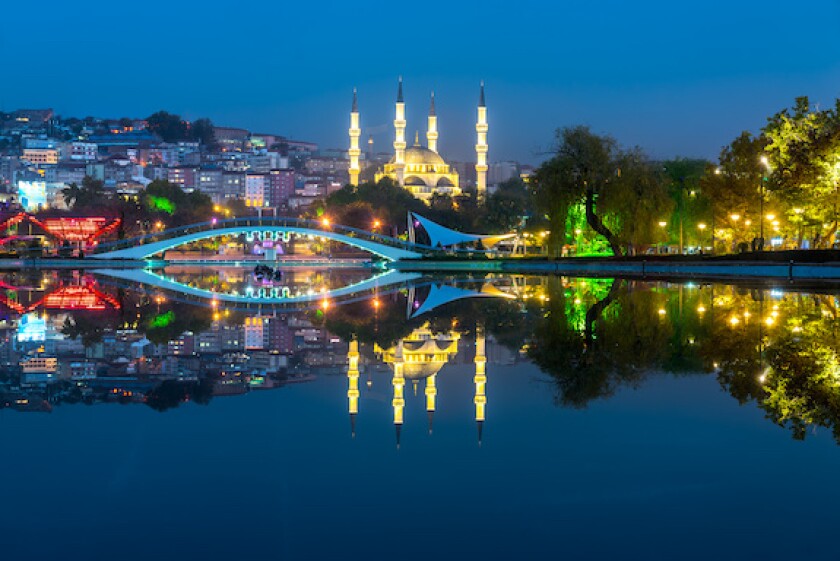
(456, 382)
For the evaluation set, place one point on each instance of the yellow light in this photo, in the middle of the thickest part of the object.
(735, 217)
(770, 320)
(701, 226)
(734, 320)
(577, 301)
(771, 217)
(662, 224)
(578, 231)
(325, 222)
(746, 314)
(325, 304)
(376, 223)
(701, 309)
(662, 311)
(376, 303)
(747, 222)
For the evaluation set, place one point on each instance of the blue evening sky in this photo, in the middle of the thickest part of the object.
(677, 78)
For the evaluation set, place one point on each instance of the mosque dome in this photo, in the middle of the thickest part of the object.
(423, 156)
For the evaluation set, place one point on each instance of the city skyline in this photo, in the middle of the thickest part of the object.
(689, 99)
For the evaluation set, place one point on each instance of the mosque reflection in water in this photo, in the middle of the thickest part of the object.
(417, 359)
(71, 337)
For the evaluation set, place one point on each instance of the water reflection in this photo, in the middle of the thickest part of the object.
(69, 337)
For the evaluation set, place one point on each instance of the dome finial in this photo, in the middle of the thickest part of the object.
(417, 138)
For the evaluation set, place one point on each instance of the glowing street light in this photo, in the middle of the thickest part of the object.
(325, 222)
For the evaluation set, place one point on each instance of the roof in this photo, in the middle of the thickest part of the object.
(422, 155)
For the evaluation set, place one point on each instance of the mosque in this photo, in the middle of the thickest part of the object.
(421, 169)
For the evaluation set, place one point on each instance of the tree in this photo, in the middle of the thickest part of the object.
(91, 193)
(587, 168)
(505, 209)
(735, 188)
(170, 127)
(203, 131)
(803, 148)
(691, 200)
(166, 200)
(636, 201)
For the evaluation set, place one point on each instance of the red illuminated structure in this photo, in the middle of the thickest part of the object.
(83, 296)
(84, 231)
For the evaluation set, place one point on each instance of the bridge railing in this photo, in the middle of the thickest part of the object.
(257, 222)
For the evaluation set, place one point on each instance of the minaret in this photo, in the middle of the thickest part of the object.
(480, 379)
(399, 138)
(399, 387)
(431, 394)
(481, 148)
(355, 133)
(432, 133)
(353, 383)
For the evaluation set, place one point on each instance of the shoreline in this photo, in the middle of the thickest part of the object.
(731, 269)
(720, 270)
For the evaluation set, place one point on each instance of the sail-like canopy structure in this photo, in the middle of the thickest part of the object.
(441, 294)
(441, 236)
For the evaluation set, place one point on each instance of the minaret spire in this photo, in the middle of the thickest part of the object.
(481, 147)
(399, 136)
(432, 133)
(355, 132)
(480, 379)
(398, 382)
(431, 394)
(353, 383)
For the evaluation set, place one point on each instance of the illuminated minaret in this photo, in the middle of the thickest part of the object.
(355, 133)
(481, 148)
(399, 388)
(431, 394)
(480, 379)
(399, 138)
(432, 133)
(353, 383)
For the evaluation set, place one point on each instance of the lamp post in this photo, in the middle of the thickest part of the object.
(662, 224)
(766, 163)
(702, 227)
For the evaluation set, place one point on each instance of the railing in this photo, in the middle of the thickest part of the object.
(256, 222)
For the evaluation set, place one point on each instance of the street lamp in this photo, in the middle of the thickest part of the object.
(662, 224)
(702, 227)
(766, 163)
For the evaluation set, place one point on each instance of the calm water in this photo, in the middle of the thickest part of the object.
(623, 419)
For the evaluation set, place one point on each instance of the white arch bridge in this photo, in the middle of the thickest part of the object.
(276, 228)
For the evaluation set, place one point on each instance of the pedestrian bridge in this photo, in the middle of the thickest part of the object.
(143, 247)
